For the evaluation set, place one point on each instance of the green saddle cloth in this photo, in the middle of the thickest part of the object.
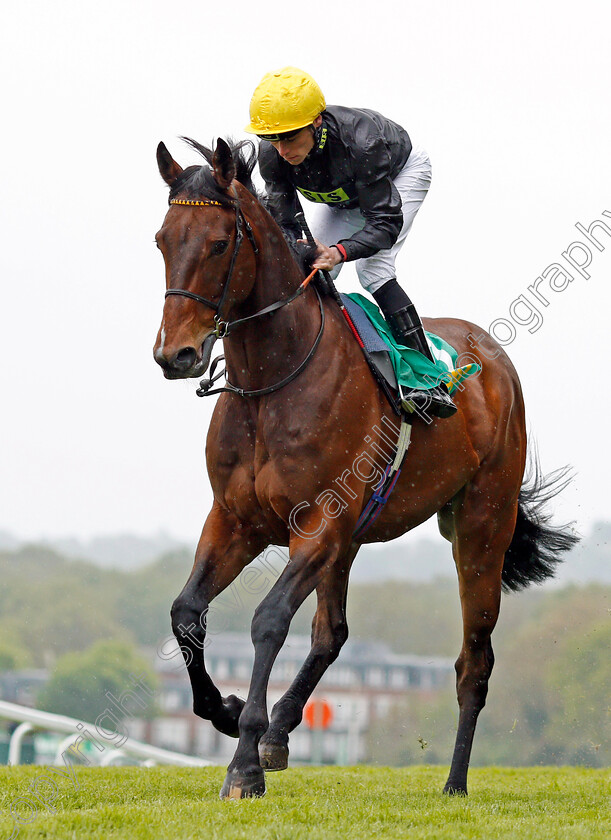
(412, 369)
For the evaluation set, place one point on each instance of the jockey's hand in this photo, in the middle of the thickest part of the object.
(326, 258)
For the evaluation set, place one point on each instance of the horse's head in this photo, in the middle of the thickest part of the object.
(208, 270)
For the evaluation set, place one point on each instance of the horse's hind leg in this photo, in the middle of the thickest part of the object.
(481, 532)
(329, 632)
(225, 548)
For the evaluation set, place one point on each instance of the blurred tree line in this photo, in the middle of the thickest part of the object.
(81, 682)
(549, 699)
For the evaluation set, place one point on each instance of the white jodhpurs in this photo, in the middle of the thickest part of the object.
(331, 224)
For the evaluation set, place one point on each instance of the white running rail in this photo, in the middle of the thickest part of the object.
(32, 720)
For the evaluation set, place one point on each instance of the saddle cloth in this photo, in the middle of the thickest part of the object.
(399, 364)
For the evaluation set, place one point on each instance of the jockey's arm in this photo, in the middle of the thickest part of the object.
(380, 204)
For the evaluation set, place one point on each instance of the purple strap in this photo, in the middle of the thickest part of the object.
(377, 501)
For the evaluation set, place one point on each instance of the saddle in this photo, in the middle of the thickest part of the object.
(373, 342)
(401, 367)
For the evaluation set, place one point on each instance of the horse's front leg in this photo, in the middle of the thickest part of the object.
(225, 547)
(309, 563)
(329, 632)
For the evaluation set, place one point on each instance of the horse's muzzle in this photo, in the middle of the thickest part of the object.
(188, 362)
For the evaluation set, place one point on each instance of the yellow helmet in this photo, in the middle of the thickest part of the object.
(284, 100)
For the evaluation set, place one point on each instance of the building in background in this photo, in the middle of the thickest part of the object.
(21, 687)
(361, 686)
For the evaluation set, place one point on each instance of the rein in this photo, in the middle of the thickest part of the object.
(205, 385)
(223, 327)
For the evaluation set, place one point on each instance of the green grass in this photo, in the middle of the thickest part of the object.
(344, 803)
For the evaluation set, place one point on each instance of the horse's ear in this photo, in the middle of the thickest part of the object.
(223, 164)
(168, 167)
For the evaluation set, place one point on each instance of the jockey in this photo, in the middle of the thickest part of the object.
(368, 180)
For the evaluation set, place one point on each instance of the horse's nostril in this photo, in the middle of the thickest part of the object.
(185, 358)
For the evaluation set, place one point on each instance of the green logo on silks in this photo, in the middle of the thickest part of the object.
(334, 197)
(323, 139)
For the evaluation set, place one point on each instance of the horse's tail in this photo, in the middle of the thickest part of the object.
(537, 547)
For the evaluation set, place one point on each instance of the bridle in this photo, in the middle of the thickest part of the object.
(223, 327)
(241, 224)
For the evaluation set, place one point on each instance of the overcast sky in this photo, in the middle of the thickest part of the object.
(512, 103)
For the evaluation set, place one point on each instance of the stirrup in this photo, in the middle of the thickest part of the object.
(442, 404)
(435, 402)
(406, 328)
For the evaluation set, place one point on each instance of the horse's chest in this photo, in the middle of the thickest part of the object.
(266, 468)
(248, 478)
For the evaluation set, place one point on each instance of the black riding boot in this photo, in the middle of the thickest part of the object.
(407, 329)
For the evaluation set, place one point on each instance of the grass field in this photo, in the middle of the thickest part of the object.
(344, 803)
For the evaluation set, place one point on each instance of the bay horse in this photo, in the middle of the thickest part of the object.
(299, 408)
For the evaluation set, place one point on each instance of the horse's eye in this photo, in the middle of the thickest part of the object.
(219, 248)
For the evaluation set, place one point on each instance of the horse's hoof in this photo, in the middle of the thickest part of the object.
(227, 719)
(243, 785)
(455, 790)
(273, 756)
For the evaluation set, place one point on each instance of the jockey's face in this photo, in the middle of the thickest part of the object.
(295, 148)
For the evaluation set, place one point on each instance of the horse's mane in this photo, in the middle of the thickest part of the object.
(197, 182)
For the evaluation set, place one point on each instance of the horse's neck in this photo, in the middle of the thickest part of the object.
(278, 274)
(266, 349)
